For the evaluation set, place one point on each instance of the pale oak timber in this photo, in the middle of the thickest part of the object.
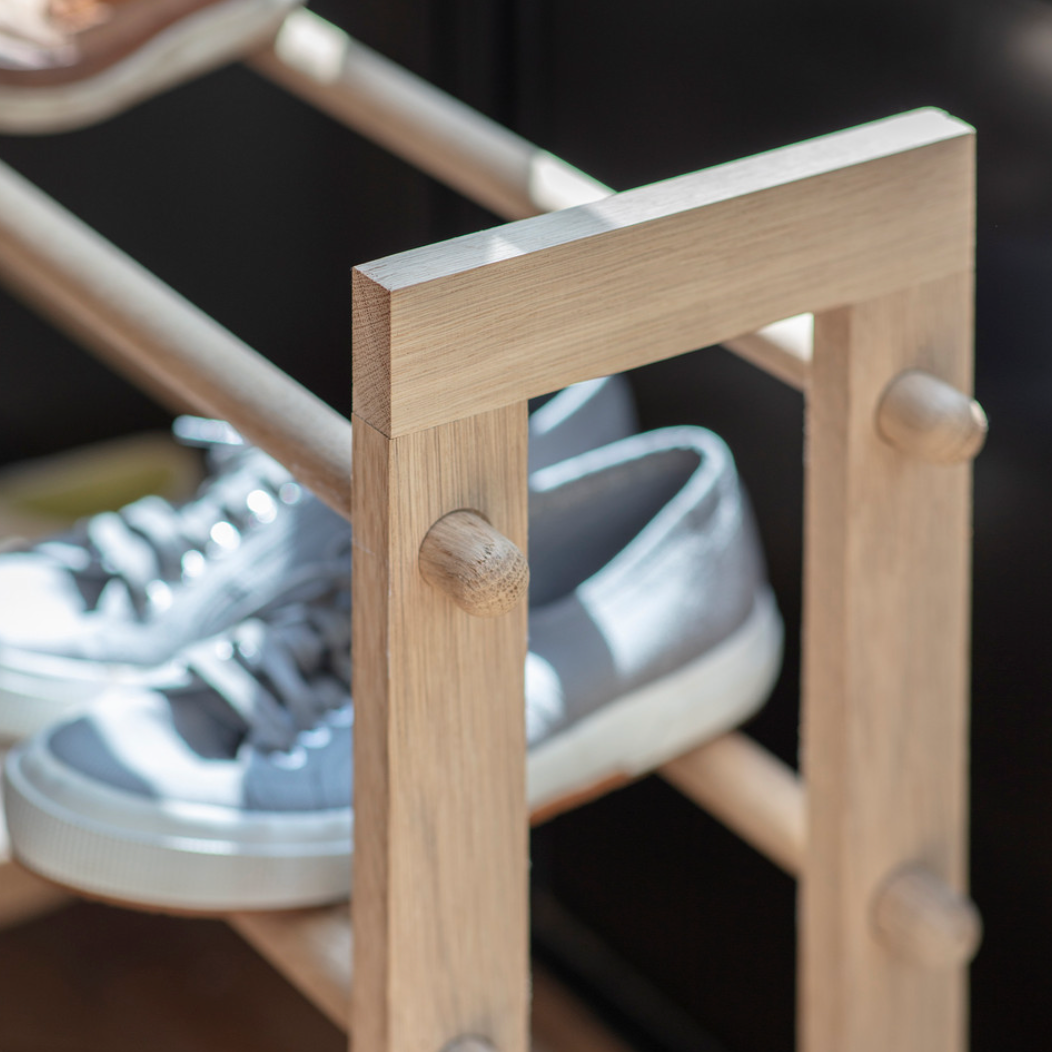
(478, 568)
(141, 326)
(441, 834)
(885, 684)
(901, 215)
(644, 275)
(921, 415)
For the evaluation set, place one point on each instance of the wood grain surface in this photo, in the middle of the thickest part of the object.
(441, 835)
(885, 699)
(509, 313)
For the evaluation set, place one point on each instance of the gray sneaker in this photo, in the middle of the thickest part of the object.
(112, 602)
(652, 628)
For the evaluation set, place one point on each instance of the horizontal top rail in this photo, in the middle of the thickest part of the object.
(484, 320)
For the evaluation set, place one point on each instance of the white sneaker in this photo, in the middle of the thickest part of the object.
(652, 628)
(111, 603)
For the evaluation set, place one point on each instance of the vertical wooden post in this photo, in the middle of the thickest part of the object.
(439, 900)
(885, 705)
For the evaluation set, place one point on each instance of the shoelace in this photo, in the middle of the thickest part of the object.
(286, 674)
(149, 545)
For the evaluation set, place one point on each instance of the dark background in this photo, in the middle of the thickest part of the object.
(255, 207)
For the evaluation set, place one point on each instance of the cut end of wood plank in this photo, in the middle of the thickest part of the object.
(476, 566)
(925, 417)
(918, 917)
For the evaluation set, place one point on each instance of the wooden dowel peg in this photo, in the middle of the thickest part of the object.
(475, 565)
(923, 920)
(926, 417)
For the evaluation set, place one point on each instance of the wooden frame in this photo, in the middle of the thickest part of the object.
(870, 229)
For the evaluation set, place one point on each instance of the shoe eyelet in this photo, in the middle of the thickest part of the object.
(292, 760)
(159, 595)
(262, 506)
(192, 564)
(317, 737)
(224, 536)
(290, 493)
(341, 717)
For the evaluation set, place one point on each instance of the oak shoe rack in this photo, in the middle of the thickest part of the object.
(870, 231)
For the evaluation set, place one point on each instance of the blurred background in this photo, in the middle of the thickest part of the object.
(255, 207)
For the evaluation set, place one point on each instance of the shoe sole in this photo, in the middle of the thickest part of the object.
(203, 859)
(189, 48)
(639, 732)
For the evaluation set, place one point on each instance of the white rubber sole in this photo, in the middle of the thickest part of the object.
(193, 46)
(39, 690)
(196, 858)
(199, 858)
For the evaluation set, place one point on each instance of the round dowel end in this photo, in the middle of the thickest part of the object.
(477, 567)
(923, 416)
(923, 920)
